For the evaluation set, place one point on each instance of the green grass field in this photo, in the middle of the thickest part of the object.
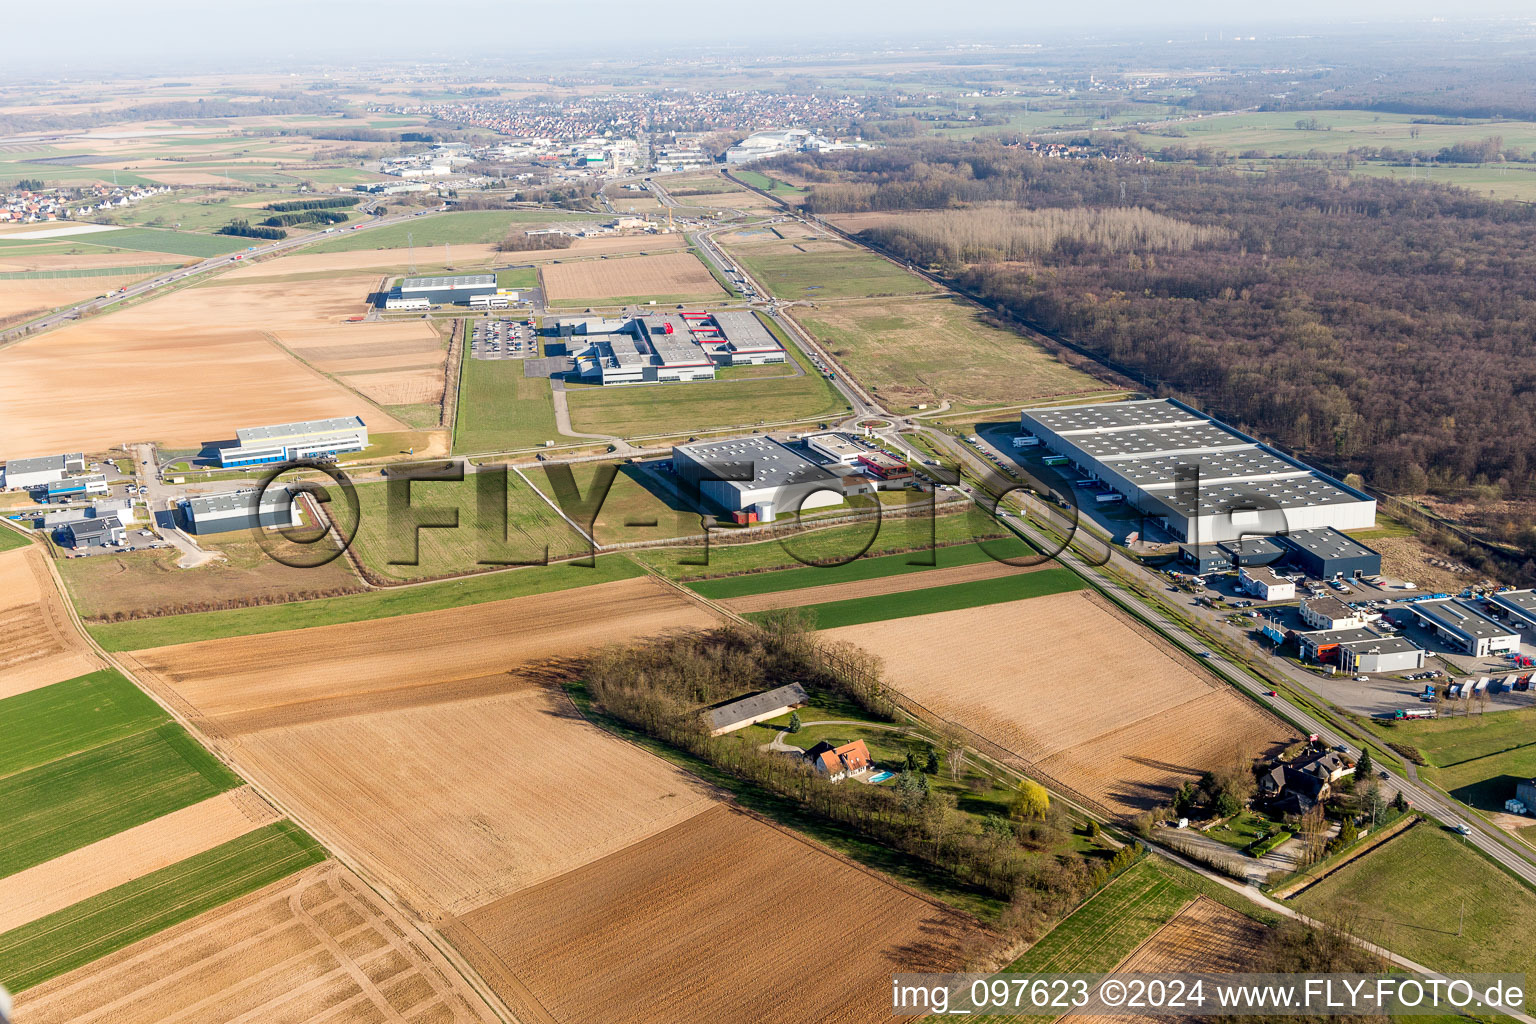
(478, 227)
(381, 604)
(518, 279)
(55, 721)
(92, 928)
(53, 275)
(757, 179)
(181, 243)
(12, 539)
(75, 800)
(533, 530)
(1409, 895)
(865, 568)
(924, 350)
(635, 498)
(975, 594)
(1477, 758)
(833, 274)
(700, 405)
(500, 409)
(821, 545)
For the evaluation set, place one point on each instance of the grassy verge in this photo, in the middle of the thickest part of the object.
(500, 409)
(943, 599)
(379, 604)
(92, 928)
(73, 801)
(11, 539)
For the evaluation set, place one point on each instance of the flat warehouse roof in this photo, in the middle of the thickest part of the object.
(42, 463)
(1381, 645)
(1329, 606)
(1457, 616)
(1525, 600)
(773, 464)
(745, 331)
(305, 428)
(1328, 543)
(459, 281)
(1238, 464)
(1324, 637)
(237, 501)
(1292, 492)
(758, 704)
(1141, 442)
(1113, 415)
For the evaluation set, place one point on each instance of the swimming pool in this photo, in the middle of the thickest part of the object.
(880, 777)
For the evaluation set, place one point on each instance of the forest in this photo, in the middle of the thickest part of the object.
(1372, 326)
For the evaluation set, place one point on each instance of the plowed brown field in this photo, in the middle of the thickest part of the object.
(1073, 688)
(116, 860)
(898, 584)
(432, 748)
(678, 273)
(1205, 938)
(38, 643)
(314, 947)
(29, 297)
(718, 919)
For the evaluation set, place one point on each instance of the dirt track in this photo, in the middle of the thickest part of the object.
(314, 947)
(723, 919)
(38, 644)
(872, 588)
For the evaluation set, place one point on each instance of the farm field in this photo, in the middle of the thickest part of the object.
(819, 267)
(24, 299)
(117, 366)
(663, 920)
(500, 409)
(654, 409)
(59, 883)
(312, 944)
(1408, 894)
(981, 591)
(671, 277)
(139, 583)
(101, 924)
(926, 350)
(38, 644)
(64, 718)
(142, 240)
(22, 265)
(840, 594)
(431, 768)
(457, 593)
(478, 227)
(533, 530)
(1026, 681)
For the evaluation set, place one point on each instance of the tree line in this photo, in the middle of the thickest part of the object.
(287, 220)
(245, 229)
(329, 203)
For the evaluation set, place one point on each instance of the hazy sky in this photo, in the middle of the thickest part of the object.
(117, 33)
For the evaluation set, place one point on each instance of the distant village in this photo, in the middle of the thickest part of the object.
(29, 206)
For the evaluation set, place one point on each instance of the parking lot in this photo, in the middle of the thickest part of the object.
(502, 338)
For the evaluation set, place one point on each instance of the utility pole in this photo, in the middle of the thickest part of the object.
(410, 249)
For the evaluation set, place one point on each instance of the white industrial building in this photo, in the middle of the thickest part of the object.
(1469, 629)
(284, 442)
(73, 488)
(1518, 606)
(241, 510)
(25, 474)
(667, 346)
(1330, 613)
(1265, 584)
(760, 475)
(1205, 481)
(762, 145)
(1381, 654)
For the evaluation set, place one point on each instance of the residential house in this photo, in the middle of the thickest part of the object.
(837, 763)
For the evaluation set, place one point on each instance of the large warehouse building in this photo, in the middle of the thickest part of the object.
(1459, 623)
(1204, 481)
(25, 474)
(240, 510)
(667, 346)
(442, 291)
(258, 446)
(762, 476)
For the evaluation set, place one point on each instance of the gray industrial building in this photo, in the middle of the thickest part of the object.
(1518, 606)
(667, 346)
(442, 291)
(762, 476)
(1463, 625)
(1328, 554)
(95, 533)
(308, 439)
(1203, 480)
(1356, 649)
(238, 510)
(24, 474)
(1249, 551)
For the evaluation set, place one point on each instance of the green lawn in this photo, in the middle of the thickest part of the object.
(942, 599)
(821, 545)
(518, 279)
(92, 928)
(832, 274)
(757, 179)
(12, 539)
(380, 604)
(638, 505)
(1409, 894)
(55, 721)
(500, 409)
(478, 227)
(1477, 758)
(523, 529)
(865, 568)
(652, 409)
(182, 243)
(75, 800)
